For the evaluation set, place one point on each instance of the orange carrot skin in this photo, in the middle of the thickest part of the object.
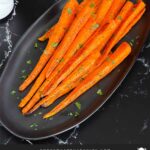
(46, 35)
(63, 23)
(49, 32)
(133, 13)
(111, 14)
(114, 10)
(91, 26)
(136, 19)
(100, 41)
(70, 82)
(117, 57)
(76, 26)
(34, 88)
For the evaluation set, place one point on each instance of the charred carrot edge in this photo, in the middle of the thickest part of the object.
(64, 22)
(69, 82)
(100, 40)
(117, 57)
(81, 19)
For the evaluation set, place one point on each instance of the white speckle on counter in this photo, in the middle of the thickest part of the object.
(146, 64)
(67, 141)
(148, 45)
(145, 125)
(8, 35)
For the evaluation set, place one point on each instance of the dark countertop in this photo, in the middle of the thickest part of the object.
(124, 119)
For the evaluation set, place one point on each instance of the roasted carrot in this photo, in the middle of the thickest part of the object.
(64, 22)
(47, 34)
(113, 11)
(117, 57)
(34, 88)
(81, 19)
(136, 19)
(68, 83)
(100, 40)
(123, 30)
(91, 26)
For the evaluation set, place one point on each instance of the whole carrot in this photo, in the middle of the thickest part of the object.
(64, 22)
(99, 41)
(69, 82)
(117, 57)
(86, 32)
(81, 19)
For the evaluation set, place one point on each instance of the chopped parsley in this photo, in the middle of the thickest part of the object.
(33, 125)
(78, 105)
(36, 45)
(110, 60)
(80, 45)
(62, 60)
(40, 113)
(23, 77)
(95, 26)
(23, 71)
(69, 10)
(76, 114)
(54, 44)
(92, 5)
(13, 92)
(99, 92)
(29, 62)
(119, 17)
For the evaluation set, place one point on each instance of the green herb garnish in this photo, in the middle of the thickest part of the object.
(29, 62)
(69, 10)
(119, 17)
(36, 45)
(23, 71)
(76, 114)
(78, 105)
(92, 5)
(40, 113)
(99, 92)
(95, 26)
(13, 92)
(62, 60)
(80, 45)
(54, 44)
(23, 77)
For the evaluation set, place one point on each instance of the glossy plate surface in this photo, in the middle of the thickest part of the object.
(33, 127)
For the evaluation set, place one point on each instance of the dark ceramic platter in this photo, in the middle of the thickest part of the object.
(21, 126)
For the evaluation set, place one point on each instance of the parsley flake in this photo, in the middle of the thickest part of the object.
(29, 62)
(69, 10)
(99, 92)
(78, 105)
(54, 44)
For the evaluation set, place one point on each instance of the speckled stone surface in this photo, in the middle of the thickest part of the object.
(124, 119)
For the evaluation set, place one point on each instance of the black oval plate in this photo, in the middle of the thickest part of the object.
(33, 127)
